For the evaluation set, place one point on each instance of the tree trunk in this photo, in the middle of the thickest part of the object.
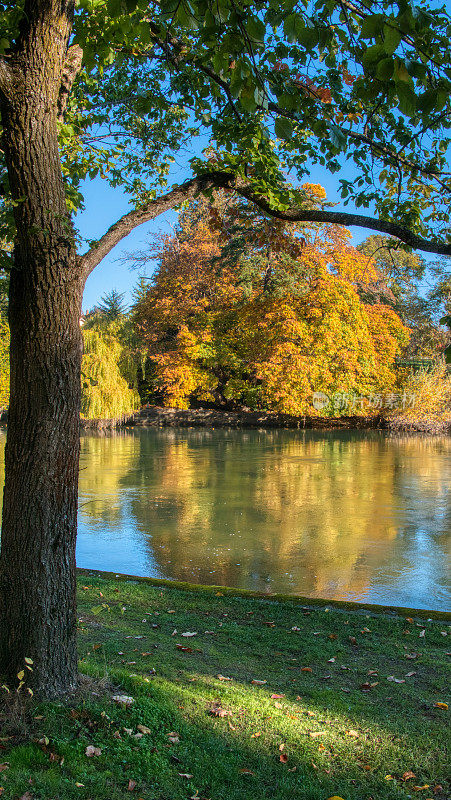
(37, 559)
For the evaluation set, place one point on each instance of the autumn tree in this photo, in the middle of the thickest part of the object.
(243, 308)
(118, 88)
(419, 290)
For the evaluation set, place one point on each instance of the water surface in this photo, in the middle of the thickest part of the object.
(351, 515)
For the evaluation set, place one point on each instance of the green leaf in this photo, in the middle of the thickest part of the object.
(407, 100)
(371, 26)
(256, 29)
(392, 38)
(385, 69)
(283, 128)
(427, 101)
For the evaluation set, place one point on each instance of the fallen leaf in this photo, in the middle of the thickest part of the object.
(277, 696)
(407, 775)
(306, 669)
(92, 751)
(131, 785)
(315, 734)
(258, 683)
(218, 711)
(353, 640)
(123, 699)
(186, 649)
(245, 772)
(189, 633)
(335, 797)
(173, 737)
(282, 746)
(410, 674)
(409, 619)
(420, 788)
(143, 729)
(283, 758)
(444, 706)
(423, 633)
(256, 735)
(223, 678)
(295, 628)
(185, 775)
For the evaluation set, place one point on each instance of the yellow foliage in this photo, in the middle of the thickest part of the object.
(297, 327)
(105, 392)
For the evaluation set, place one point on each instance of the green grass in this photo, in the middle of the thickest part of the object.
(339, 738)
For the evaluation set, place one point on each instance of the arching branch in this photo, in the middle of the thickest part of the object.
(226, 180)
(130, 221)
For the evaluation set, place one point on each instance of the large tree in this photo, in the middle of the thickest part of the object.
(121, 87)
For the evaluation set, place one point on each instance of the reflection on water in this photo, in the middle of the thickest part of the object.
(354, 515)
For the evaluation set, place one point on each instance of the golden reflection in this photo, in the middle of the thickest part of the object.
(306, 512)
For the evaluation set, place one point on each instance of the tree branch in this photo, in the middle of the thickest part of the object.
(130, 221)
(354, 220)
(226, 180)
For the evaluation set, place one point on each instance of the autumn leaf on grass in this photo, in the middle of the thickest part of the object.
(173, 737)
(189, 633)
(185, 649)
(256, 735)
(258, 683)
(283, 758)
(185, 775)
(223, 678)
(443, 706)
(143, 729)
(123, 700)
(306, 669)
(407, 775)
(92, 751)
(277, 696)
(246, 772)
(131, 785)
(218, 711)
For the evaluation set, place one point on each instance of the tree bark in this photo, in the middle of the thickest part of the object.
(37, 559)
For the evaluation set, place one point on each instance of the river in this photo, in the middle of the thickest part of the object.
(353, 515)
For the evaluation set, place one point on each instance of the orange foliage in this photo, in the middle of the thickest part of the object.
(268, 324)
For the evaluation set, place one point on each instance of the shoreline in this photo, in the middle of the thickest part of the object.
(276, 597)
(161, 417)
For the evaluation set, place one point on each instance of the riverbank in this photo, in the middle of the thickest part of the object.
(237, 697)
(160, 417)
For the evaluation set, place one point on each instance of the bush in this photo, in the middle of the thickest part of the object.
(430, 407)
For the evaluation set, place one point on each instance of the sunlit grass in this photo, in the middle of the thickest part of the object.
(326, 736)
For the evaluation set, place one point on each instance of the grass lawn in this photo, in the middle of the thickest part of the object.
(268, 700)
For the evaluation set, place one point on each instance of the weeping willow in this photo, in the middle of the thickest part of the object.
(105, 391)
